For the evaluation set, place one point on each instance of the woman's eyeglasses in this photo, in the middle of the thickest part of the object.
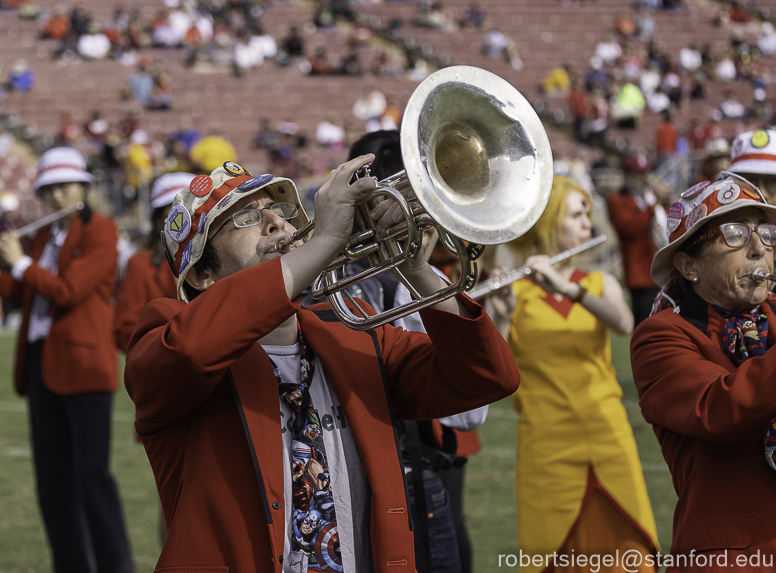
(250, 217)
(737, 235)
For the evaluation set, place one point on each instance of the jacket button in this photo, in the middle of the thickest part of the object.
(275, 505)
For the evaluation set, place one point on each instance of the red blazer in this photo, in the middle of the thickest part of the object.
(709, 417)
(215, 447)
(633, 226)
(79, 355)
(143, 282)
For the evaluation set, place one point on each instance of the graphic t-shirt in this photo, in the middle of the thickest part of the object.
(331, 532)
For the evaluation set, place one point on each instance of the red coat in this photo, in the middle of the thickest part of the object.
(710, 417)
(223, 500)
(633, 226)
(78, 355)
(142, 283)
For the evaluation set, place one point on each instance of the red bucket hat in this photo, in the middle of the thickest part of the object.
(698, 205)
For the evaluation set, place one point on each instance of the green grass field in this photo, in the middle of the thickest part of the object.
(490, 495)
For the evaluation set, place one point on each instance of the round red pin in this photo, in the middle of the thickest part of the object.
(201, 185)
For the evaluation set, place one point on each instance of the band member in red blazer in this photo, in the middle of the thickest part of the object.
(638, 217)
(271, 428)
(148, 275)
(705, 368)
(66, 365)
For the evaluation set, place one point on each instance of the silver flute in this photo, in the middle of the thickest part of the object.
(47, 220)
(488, 287)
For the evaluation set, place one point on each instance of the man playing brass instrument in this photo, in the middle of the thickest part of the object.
(270, 427)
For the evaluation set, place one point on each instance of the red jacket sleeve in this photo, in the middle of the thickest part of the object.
(131, 299)
(71, 286)
(626, 218)
(10, 289)
(685, 388)
(462, 364)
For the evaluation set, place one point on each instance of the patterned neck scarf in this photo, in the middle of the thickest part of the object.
(746, 335)
(315, 541)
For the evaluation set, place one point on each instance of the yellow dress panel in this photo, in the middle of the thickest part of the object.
(571, 418)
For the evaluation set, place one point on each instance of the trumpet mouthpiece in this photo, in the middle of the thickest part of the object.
(759, 275)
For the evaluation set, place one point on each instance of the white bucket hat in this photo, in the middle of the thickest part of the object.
(167, 186)
(196, 207)
(61, 165)
(695, 207)
(754, 152)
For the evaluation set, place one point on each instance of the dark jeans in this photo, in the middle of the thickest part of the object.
(441, 531)
(78, 497)
(641, 303)
(453, 481)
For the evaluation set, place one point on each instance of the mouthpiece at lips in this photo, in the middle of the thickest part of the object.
(759, 275)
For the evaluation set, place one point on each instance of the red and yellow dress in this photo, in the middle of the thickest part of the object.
(579, 480)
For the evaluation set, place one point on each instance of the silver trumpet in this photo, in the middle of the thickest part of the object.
(47, 220)
(488, 287)
(478, 169)
(760, 275)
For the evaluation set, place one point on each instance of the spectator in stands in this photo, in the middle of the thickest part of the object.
(645, 24)
(139, 163)
(739, 13)
(164, 34)
(698, 87)
(330, 133)
(293, 44)
(599, 117)
(624, 25)
(57, 26)
(725, 70)
(431, 14)
(93, 45)
(266, 137)
(754, 158)
(730, 107)
(638, 216)
(557, 81)
(141, 85)
(186, 134)
(319, 62)
(716, 158)
(609, 51)
(497, 45)
(473, 15)
(247, 54)
(690, 58)
(697, 134)
(579, 104)
(351, 64)
(628, 104)
(96, 127)
(370, 106)
(766, 41)
(391, 118)
(665, 139)
(596, 75)
(69, 133)
(672, 85)
(21, 79)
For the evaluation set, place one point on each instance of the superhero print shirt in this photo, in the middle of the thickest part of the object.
(326, 491)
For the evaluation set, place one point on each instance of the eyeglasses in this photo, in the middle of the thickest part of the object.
(737, 235)
(250, 217)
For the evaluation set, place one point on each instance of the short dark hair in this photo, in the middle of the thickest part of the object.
(386, 146)
(210, 260)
